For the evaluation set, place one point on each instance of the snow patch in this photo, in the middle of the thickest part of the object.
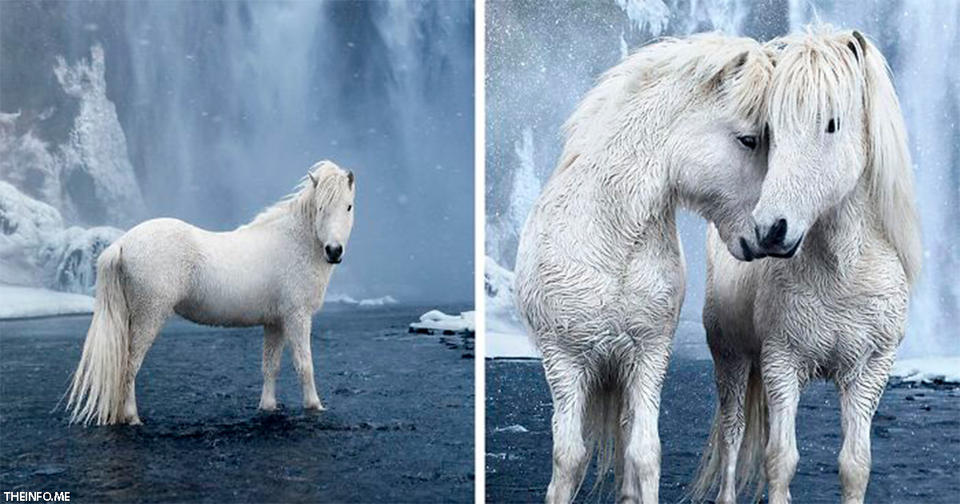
(380, 301)
(366, 303)
(928, 370)
(515, 428)
(506, 336)
(435, 321)
(23, 302)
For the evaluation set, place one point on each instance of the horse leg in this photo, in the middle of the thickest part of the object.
(782, 385)
(570, 456)
(731, 374)
(272, 353)
(144, 328)
(639, 424)
(296, 330)
(858, 402)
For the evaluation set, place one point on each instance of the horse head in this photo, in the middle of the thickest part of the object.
(834, 121)
(331, 210)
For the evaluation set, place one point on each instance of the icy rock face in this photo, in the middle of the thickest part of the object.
(501, 313)
(73, 256)
(26, 161)
(25, 224)
(37, 251)
(89, 178)
(96, 167)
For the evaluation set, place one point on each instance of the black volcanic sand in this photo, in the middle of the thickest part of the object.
(398, 425)
(916, 438)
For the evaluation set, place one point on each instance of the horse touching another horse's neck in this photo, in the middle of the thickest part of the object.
(600, 272)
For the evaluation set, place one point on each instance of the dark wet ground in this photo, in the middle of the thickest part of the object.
(916, 438)
(398, 425)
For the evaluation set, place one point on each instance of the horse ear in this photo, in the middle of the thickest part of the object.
(860, 41)
(313, 178)
(728, 70)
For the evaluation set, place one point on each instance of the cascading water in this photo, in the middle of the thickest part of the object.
(225, 105)
(547, 57)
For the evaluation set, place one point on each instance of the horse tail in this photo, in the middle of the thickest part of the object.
(97, 389)
(605, 435)
(750, 460)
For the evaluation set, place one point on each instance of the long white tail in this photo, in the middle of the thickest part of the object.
(97, 393)
(603, 436)
(750, 469)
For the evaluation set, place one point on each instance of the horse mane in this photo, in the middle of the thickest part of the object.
(836, 64)
(701, 59)
(306, 196)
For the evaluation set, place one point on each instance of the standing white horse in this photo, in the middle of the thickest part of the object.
(600, 271)
(840, 183)
(273, 272)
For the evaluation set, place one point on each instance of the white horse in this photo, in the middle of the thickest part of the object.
(600, 271)
(273, 272)
(838, 195)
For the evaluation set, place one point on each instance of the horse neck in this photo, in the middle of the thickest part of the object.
(636, 205)
(300, 237)
(838, 236)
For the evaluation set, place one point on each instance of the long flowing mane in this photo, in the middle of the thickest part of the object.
(305, 198)
(826, 69)
(699, 60)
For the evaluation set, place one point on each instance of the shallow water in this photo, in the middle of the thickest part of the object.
(916, 438)
(398, 425)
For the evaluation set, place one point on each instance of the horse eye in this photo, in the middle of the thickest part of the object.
(748, 141)
(833, 125)
(349, 207)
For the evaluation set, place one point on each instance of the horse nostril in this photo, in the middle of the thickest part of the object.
(333, 251)
(774, 235)
(779, 230)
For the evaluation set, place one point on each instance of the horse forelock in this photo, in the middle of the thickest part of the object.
(817, 78)
(818, 75)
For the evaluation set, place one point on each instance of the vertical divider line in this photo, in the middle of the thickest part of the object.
(479, 375)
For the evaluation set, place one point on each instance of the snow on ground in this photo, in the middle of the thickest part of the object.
(435, 321)
(505, 334)
(928, 370)
(24, 302)
(365, 303)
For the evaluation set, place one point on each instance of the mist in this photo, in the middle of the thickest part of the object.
(543, 57)
(222, 108)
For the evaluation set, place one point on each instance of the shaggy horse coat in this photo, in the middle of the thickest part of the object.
(839, 196)
(272, 272)
(600, 271)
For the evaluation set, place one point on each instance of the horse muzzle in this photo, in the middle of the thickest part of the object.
(333, 253)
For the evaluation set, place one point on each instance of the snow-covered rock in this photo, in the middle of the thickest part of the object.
(928, 370)
(37, 251)
(505, 335)
(435, 321)
(24, 302)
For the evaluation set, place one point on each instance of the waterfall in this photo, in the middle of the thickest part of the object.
(224, 106)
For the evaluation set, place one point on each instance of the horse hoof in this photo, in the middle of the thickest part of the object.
(268, 407)
(314, 406)
(135, 421)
